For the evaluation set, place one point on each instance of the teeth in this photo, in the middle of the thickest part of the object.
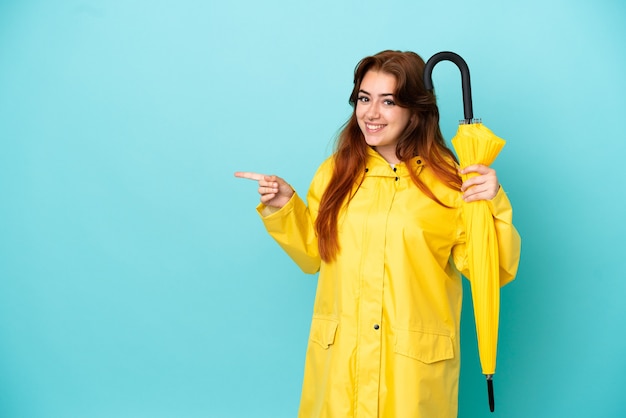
(374, 127)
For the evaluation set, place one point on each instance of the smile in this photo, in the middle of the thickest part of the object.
(374, 127)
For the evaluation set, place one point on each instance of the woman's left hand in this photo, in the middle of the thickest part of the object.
(482, 186)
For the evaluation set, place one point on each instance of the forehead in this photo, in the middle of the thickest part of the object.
(378, 82)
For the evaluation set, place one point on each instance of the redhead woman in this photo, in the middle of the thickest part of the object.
(383, 225)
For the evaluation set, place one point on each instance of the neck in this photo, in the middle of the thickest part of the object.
(388, 153)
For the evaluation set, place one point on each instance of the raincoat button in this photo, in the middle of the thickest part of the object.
(376, 326)
(394, 169)
(396, 179)
(367, 169)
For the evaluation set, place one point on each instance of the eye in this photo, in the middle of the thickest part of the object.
(363, 99)
(389, 102)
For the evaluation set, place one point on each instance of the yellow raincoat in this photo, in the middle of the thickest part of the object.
(384, 339)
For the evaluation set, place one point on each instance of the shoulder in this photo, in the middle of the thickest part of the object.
(322, 176)
(324, 171)
(327, 165)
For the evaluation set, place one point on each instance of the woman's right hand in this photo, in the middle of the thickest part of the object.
(274, 191)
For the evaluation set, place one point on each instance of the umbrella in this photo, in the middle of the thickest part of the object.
(476, 144)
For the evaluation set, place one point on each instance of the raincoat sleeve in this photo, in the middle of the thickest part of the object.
(509, 241)
(292, 226)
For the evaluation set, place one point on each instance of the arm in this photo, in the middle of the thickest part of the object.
(509, 241)
(482, 184)
(288, 219)
(292, 228)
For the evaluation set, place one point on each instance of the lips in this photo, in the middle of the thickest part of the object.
(373, 128)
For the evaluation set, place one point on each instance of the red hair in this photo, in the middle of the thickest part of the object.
(421, 136)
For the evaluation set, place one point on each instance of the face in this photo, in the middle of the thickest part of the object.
(381, 120)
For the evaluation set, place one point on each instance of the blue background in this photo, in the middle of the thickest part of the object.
(136, 279)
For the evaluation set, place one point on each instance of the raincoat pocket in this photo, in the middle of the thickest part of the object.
(323, 331)
(427, 347)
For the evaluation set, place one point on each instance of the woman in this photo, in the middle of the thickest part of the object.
(384, 228)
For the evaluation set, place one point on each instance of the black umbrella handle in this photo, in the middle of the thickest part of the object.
(465, 78)
(492, 402)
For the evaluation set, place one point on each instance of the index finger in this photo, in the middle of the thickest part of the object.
(249, 175)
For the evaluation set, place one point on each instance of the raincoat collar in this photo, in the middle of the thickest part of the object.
(376, 165)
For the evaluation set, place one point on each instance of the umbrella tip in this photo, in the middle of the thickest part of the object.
(492, 403)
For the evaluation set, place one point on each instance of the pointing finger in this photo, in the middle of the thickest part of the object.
(248, 175)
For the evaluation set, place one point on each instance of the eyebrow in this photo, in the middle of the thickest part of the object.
(381, 95)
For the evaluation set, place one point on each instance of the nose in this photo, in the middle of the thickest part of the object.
(372, 112)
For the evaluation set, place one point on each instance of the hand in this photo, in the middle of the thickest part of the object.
(274, 191)
(482, 184)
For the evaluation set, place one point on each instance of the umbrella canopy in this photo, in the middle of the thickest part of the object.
(476, 144)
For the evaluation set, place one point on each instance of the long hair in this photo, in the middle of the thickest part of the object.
(421, 136)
